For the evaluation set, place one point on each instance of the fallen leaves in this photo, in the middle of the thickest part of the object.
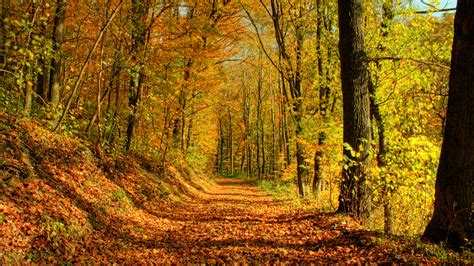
(72, 213)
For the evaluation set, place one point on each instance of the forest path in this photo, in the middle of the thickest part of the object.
(236, 222)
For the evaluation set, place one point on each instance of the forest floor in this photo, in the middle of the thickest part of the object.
(235, 222)
(64, 202)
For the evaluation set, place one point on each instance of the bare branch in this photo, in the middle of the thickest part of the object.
(408, 59)
(252, 21)
(83, 68)
(436, 11)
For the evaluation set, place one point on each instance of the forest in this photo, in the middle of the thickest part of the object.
(236, 131)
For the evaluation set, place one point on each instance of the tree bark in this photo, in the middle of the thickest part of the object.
(356, 109)
(318, 156)
(139, 9)
(453, 215)
(56, 62)
(3, 49)
(319, 52)
(231, 144)
(376, 114)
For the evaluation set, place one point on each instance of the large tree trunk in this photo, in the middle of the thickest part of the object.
(453, 215)
(56, 62)
(354, 80)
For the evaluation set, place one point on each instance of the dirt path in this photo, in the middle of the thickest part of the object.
(236, 222)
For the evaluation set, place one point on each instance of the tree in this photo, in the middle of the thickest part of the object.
(138, 16)
(3, 48)
(452, 217)
(56, 63)
(356, 108)
(291, 67)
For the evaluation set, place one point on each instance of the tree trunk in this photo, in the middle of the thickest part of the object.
(56, 62)
(244, 119)
(318, 156)
(259, 126)
(274, 158)
(28, 98)
(319, 52)
(42, 83)
(298, 111)
(220, 157)
(376, 114)
(453, 215)
(133, 102)
(3, 49)
(190, 129)
(231, 146)
(356, 134)
(301, 165)
(139, 11)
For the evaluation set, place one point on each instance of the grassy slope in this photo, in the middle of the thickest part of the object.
(60, 199)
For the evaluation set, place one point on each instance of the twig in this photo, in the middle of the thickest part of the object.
(376, 59)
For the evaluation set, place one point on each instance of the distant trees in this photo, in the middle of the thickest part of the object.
(452, 219)
(250, 87)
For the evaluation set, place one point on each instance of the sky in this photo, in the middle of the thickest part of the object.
(443, 4)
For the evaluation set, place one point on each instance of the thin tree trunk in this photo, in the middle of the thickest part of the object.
(317, 172)
(274, 158)
(220, 157)
(190, 128)
(3, 26)
(298, 115)
(260, 147)
(56, 62)
(387, 16)
(231, 144)
(139, 9)
(28, 98)
(319, 52)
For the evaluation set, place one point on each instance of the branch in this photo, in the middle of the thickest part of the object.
(408, 59)
(6, 71)
(259, 37)
(83, 68)
(428, 4)
(436, 11)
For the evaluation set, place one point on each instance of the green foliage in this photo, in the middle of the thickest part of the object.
(56, 232)
(407, 181)
(28, 50)
(280, 190)
(8, 100)
(197, 159)
(120, 196)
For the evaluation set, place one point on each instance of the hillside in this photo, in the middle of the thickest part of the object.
(64, 202)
